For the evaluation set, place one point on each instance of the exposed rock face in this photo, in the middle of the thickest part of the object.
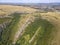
(2, 26)
(1, 29)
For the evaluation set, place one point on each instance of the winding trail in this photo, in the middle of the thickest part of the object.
(22, 29)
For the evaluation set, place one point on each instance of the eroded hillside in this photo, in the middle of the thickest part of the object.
(25, 26)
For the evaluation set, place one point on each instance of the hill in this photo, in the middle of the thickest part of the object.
(28, 26)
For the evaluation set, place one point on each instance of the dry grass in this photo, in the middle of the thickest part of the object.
(54, 18)
(8, 9)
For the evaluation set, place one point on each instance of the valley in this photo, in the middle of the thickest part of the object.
(25, 25)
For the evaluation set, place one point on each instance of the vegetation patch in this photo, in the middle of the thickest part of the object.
(41, 29)
(9, 31)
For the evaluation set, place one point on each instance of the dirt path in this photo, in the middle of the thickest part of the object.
(34, 36)
(22, 29)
